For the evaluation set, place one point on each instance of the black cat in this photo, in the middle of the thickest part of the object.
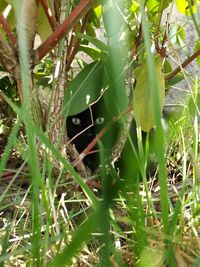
(83, 127)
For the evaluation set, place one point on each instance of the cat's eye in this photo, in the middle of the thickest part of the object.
(76, 121)
(99, 120)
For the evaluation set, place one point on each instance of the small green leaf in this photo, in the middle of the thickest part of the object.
(197, 48)
(94, 53)
(90, 30)
(143, 97)
(167, 67)
(84, 89)
(176, 79)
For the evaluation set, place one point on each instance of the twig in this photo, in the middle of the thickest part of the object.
(57, 10)
(8, 30)
(76, 14)
(77, 44)
(160, 12)
(49, 14)
(183, 65)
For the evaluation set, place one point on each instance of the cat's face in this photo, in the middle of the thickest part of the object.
(83, 128)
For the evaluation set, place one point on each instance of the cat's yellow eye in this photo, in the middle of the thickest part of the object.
(76, 121)
(99, 120)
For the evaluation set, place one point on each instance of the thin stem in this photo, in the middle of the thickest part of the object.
(8, 30)
(57, 9)
(77, 44)
(49, 14)
(183, 65)
(160, 12)
(61, 31)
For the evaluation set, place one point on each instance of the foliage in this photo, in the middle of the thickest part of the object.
(130, 67)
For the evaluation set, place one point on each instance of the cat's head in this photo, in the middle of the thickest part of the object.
(83, 127)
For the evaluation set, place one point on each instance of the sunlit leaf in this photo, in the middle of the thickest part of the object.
(184, 8)
(98, 10)
(153, 5)
(134, 6)
(181, 5)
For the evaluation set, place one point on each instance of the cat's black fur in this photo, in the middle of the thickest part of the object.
(85, 126)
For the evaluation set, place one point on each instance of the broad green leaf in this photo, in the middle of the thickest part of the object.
(84, 89)
(99, 44)
(143, 97)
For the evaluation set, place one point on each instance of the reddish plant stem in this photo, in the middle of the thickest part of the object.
(76, 14)
(70, 46)
(183, 65)
(77, 44)
(8, 30)
(94, 141)
(57, 10)
(49, 14)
